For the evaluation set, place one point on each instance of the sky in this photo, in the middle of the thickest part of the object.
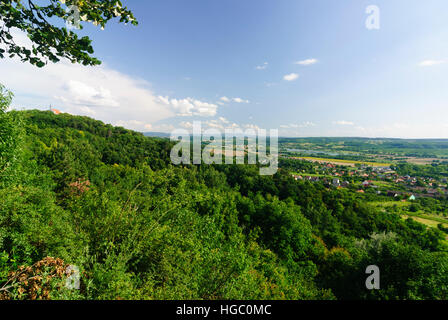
(305, 67)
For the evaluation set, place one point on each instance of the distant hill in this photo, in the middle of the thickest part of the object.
(157, 134)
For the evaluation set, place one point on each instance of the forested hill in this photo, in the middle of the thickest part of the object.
(110, 145)
(108, 201)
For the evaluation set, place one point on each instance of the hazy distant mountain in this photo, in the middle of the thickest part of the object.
(157, 134)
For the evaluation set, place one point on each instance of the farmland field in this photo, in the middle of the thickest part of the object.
(351, 163)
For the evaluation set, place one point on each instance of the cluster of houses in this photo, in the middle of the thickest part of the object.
(337, 183)
(362, 171)
(337, 176)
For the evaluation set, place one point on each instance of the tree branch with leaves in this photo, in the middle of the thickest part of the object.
(51, 41)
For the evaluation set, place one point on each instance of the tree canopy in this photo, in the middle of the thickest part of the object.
(44, 24)
(108, 201)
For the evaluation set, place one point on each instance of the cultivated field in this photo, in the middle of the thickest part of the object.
(349, 163)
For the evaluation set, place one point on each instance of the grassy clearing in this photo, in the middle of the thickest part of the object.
(420, 214)
(431, 222)
(384, 184)
(421, 217)
(387, 204)
(345, 162)
(428, 222)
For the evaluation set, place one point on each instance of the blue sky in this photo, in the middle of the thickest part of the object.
(228, 63)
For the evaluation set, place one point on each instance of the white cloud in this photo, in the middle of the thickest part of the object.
(82, 93)
(219, 123)
(100, 92)
(251, 126)
(190, 107)
(215, 124)
(135, 124)
(343, 123)
(291, 77)
(305, 124)
(307, 62)
(223, 120)
(262, 67)
(239, 100)
(186, 124)
(430, 63)
(308, 124)
(88, 111)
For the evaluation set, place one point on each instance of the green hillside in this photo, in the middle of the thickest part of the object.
(108, 201)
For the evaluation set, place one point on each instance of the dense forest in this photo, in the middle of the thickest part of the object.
(75, 191)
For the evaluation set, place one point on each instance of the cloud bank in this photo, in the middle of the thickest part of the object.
(99, 92)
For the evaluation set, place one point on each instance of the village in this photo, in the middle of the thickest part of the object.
(381, 180)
